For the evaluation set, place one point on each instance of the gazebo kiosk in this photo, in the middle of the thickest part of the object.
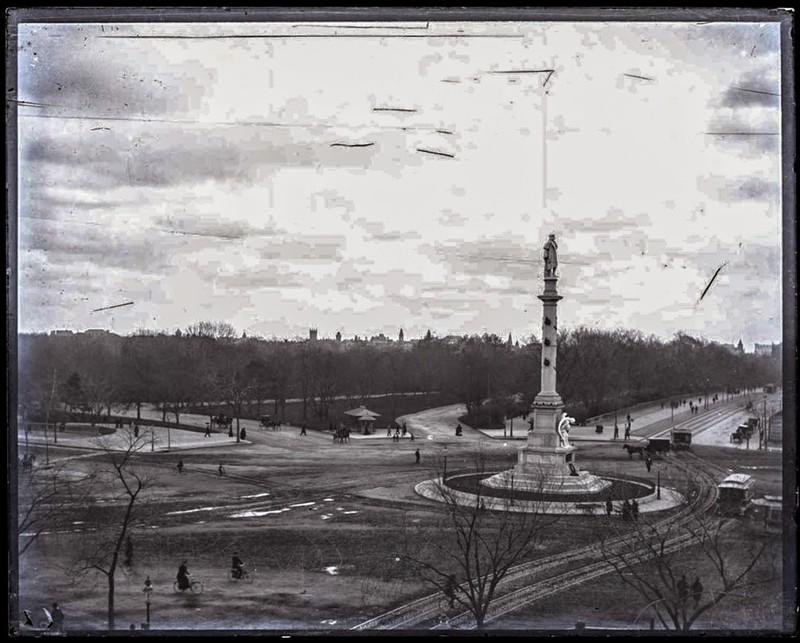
(363, 419)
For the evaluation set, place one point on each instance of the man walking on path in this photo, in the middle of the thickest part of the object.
(416, 455)
(648, 462)
(683, 589)
(58, 618)
(697, 591)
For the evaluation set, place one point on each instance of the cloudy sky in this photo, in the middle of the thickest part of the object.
(369, 177)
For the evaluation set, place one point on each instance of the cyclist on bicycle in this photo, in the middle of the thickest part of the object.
(183, 576)
(237, 566)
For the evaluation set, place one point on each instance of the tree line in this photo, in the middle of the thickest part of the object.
(207, 365)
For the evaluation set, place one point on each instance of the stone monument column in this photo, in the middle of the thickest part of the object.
(547, 461)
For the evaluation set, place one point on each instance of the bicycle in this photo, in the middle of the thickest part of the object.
(246, 577)
(195, 587)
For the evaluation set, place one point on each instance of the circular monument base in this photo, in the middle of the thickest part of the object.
(540, 481)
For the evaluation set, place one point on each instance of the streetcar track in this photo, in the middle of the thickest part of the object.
(509, 598)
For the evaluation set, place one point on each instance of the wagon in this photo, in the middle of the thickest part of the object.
(658, 445)
(681, 438)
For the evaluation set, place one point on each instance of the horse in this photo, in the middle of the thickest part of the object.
(632, 449)
(341, 435)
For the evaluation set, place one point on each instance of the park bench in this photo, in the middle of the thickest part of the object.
(588, 508)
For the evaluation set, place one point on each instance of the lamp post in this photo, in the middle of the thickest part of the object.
(444, 477)
(46, 446)
(148, 590)
(658, 484)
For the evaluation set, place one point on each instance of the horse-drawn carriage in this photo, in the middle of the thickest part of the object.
(658, 445)
(268, 423)
(221, 421)
(681, 438)
(744, 431)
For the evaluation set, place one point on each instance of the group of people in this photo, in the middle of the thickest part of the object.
(184, 577)
(630, 510)
(696, 589)
(54, 616)
(399, 431)
(628, 422)
(28, 460)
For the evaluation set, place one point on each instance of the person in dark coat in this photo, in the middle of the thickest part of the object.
(416, 455)
(697, 591)
(183, 576)
(683, 588)
(58, 618)
(450, 589)
(609, 507)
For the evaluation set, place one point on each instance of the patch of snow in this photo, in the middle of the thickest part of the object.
(304, 504)
(332, 570)
(256, 495)
(350, 512)
(190, 511)
(257, 514)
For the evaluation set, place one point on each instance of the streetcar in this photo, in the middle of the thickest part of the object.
(736, 493)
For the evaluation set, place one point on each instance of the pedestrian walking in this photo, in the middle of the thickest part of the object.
(697, 591)
(58, 618)
(609, 507)
(221, 470)
(616, 432)
(243, 433)
(450, 589)
(683, 589)
(416, 455)
(180, 467)
(128, 552)
(648, 462)
(303, 430)
(626, 510)
(635, 510)
(207, 434)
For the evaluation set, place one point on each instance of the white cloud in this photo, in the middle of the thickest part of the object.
(228, 183)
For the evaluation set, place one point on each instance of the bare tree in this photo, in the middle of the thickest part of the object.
(652, 559)
(478, 542)
(44, 501)
(118, 474)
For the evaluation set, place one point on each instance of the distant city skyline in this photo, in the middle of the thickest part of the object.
(285, 176)
(383, 336)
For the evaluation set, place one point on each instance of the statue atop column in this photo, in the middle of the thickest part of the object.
(550, 257)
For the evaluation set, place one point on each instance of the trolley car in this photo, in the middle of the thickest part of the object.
(736, 492)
